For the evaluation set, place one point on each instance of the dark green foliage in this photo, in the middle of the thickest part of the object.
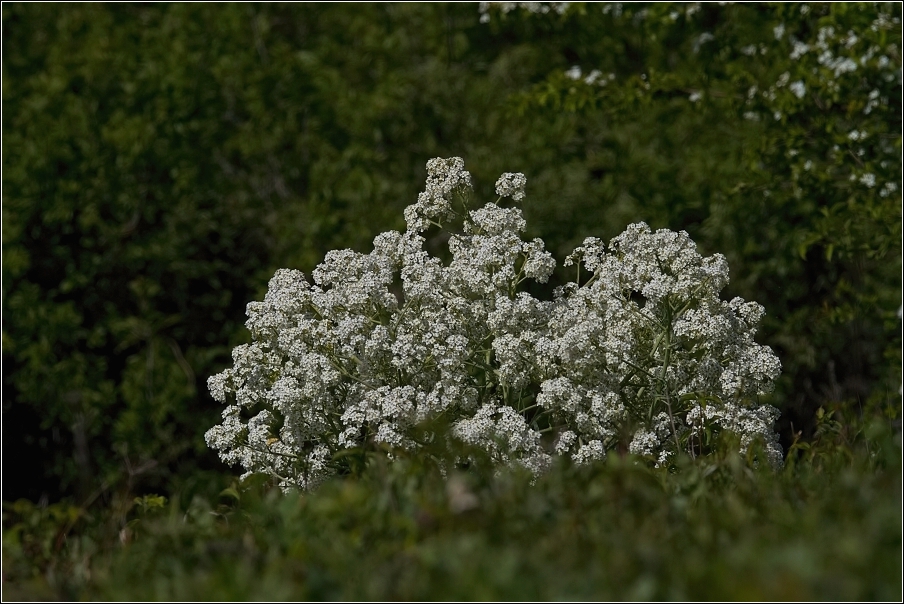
(823, 530)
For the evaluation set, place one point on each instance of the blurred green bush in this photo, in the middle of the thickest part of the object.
(824, 530)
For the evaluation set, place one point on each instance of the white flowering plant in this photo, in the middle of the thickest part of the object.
(637, 355)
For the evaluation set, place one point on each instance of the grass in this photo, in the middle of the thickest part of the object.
(827, 527)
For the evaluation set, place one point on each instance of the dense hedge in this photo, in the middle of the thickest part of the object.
(825, 529)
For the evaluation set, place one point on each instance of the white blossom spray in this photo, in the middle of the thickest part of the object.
(638, 352)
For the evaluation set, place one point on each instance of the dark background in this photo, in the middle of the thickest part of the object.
(160, 161)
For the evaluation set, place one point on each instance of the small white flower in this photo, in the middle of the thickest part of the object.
(799, 50)
(701, 40)
(593, 77)
(511, 185)
(574, 72)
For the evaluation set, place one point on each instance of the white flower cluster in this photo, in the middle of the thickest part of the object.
(511, 185)
(533, 7)
(641, 355)
(594, 77)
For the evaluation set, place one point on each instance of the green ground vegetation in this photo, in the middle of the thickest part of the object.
(825, 528)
